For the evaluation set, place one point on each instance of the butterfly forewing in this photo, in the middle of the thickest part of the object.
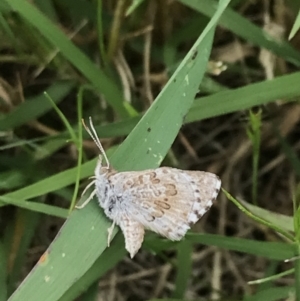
(167, 200)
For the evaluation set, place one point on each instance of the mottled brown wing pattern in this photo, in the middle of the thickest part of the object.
(167, 200)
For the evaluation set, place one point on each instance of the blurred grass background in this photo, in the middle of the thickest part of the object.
(142, 69)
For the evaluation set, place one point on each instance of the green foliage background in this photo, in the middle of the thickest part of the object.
(78, 256)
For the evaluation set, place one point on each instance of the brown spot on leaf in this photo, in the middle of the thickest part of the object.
(44, 258)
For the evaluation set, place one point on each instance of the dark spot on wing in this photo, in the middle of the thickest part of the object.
(151, 218)
(207, 208)
(198, 214)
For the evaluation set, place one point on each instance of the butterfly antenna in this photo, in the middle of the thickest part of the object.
(92, 132)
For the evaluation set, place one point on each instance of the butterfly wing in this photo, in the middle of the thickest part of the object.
(167, 200)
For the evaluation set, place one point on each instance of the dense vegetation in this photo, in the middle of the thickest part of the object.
(197, 85)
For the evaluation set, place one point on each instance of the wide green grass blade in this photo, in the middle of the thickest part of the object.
(246, 97)
(108, 259)
(57, 38)
(83, 237)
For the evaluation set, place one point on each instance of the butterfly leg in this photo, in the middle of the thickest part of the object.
(110, 231)
(133, 233)
(88, 186)
(86, 201)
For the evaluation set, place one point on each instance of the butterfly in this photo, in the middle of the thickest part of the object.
(165, 200)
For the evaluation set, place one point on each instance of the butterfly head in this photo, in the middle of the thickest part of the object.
(103, 170)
